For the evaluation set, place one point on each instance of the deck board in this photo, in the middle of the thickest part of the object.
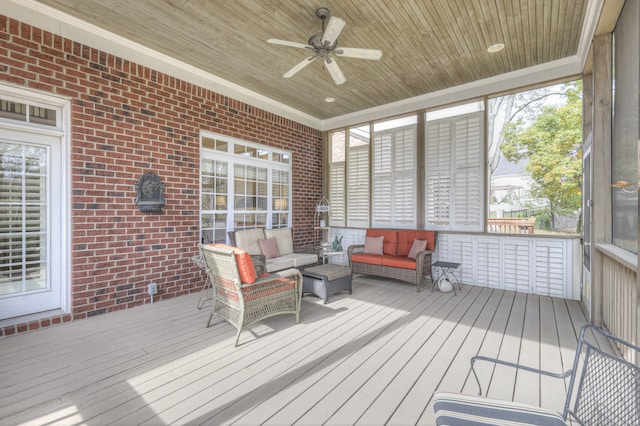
(373, 357)
(527, 383)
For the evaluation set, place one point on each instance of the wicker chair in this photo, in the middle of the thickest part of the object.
(243, 304)
(604, 389)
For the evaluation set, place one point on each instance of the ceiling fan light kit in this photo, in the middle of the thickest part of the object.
(325, 44)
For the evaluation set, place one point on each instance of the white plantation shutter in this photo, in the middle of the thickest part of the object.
(550, 268)
(527, 264)
(462, 252)
(382, 212)
(404, 189)
(488, 262)
(438, 174)
(394, 178)
(358, 186)
(454, 178)
(337, 194)
(517, 264)
(467, 175)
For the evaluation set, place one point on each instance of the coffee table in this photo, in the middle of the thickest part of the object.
(326, 280)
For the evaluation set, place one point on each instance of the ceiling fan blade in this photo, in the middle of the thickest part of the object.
(289, 43)
(334, 28)
(335, 71)
(355, 52)
(299, 66)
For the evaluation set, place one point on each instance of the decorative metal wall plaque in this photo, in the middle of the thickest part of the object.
(150, 190)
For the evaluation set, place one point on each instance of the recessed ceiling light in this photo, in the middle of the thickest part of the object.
(495, 48)
(329, 99)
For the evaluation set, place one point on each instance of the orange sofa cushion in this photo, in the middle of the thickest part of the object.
(371, 259)
(246, 270)
(407, 236)
(390, 239)
(399, 262)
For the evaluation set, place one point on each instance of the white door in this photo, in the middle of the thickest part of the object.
(31, 223)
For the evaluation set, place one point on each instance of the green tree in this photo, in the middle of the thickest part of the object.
(552, 143)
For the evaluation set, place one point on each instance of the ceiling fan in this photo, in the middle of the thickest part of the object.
(324, 44)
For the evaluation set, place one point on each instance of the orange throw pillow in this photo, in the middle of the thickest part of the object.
(246, 269)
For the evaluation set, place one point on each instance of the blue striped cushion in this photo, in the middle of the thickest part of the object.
(452, 409)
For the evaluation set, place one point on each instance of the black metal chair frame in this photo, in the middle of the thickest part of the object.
(604, 388)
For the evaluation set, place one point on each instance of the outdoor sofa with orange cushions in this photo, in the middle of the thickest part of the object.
(389, 256)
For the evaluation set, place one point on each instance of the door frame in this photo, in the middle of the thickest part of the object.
(59, 177)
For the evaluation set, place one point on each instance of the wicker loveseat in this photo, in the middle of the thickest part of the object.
(249, 240)
(394, 261)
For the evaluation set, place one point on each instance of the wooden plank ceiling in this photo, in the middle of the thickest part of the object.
(427, 45)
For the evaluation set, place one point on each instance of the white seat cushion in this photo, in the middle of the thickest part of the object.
(303, 259)
(293, 260)
(280, 263)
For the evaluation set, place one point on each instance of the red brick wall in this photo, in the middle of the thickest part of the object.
(127, 119)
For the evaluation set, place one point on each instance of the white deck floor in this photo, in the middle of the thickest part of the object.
(373, 357)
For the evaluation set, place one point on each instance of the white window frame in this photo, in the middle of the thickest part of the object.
(270, 163)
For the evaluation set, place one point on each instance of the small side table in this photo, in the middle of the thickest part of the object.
(447, 270)
(327, 254)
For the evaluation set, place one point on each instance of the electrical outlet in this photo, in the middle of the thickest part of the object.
(152, 288)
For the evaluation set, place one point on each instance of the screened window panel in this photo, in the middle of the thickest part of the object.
(626, 135)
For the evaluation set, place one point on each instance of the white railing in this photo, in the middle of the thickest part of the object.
(501, 225)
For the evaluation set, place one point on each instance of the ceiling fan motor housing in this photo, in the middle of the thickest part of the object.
(319, 47)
